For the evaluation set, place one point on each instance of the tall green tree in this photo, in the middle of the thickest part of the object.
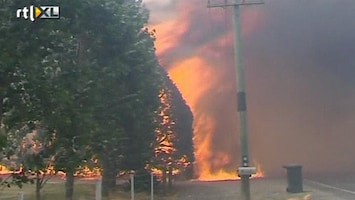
(90, 79)
(48, 82)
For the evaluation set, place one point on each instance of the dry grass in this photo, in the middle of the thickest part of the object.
(51, 191)
(260, 190)
(83, 190)
(120, 195)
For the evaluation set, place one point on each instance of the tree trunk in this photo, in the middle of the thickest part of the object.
(38, 186)
(170, 177)
(1, 100)
(109, 173)
(105, 177)
(114, 172)
(69, 184)
(112, 183)
(164, 180)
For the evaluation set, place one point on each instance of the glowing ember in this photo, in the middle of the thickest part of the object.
(159, 173)
(82, 171)
(86, 172)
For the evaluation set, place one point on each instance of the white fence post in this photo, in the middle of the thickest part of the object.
(98, 191)
(132, 186)
(151, 186)
(20, 196)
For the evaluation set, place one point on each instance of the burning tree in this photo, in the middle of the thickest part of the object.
(173, 149)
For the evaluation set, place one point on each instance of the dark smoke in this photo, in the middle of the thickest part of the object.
(300, 62)
(301, 85)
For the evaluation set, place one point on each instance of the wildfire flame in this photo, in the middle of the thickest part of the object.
(196, 66)
(4, 170)
(194, 63)
(227, 175)
(82, 172)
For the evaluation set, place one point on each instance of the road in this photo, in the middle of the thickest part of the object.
(261, 189)
(196, 190)
(324, 188)
(341, 185)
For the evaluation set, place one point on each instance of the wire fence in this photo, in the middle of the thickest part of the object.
(84, 189)
(52, 191)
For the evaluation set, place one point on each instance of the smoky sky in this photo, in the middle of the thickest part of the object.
(300, 77)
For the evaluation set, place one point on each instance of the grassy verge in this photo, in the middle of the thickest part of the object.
(51, 191)
(120, 195)
(85, 190)
(82, 191)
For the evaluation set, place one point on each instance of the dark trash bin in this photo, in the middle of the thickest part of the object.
(294, 178)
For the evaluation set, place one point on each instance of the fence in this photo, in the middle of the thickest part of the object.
(84, 189)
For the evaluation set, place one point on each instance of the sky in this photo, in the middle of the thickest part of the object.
(300, 66)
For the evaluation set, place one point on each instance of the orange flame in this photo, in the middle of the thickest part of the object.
(228, 175)
(195, 70)
(4, 170)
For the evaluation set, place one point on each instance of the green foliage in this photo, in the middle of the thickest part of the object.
(17, 179)
(87, 84)
(3, 139)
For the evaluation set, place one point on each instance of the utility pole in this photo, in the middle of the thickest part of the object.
(244, 171)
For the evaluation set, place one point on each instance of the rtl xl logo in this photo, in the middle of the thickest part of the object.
(35, 12)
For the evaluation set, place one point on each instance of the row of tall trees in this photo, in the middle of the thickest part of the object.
(87, 86)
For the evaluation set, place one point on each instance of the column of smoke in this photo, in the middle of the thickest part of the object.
(300, 80)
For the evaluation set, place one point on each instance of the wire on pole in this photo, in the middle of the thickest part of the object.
(227, 3)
